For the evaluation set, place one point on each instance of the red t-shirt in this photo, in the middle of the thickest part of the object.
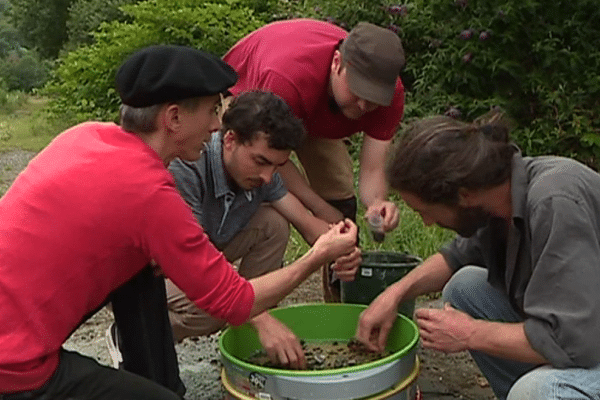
(86, 215)
(293, 60)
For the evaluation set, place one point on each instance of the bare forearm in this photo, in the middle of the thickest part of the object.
(430, 276)
(372, 186)
(299, 187)
(372, 182)
(338, 241)
(269, 289)
(311, 230)
(260, 320)
(450, 330)
(309, 226)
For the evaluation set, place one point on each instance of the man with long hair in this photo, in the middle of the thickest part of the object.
(520, 281)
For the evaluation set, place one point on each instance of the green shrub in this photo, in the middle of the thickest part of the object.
(23, 70)
(82, 87)
(41, 24)
(86, 16)
(9, 38)
(537, 60)
(10, 102)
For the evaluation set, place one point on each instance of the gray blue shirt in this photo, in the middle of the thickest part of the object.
(221, 209)
(548, 259)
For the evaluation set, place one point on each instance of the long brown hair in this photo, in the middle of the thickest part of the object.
(438, 155)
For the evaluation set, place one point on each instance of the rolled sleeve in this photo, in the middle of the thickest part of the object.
(561, 300)
(276, 189)
(176, 241)
(463, 251)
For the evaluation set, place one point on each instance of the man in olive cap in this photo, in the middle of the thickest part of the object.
(338, 84)
(95, 207)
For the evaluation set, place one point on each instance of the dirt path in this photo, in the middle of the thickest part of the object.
(443, 377)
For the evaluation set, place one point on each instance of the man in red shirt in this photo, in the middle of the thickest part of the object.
(338, 84)
(95, 207)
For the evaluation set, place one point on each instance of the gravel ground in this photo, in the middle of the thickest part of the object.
(442, 377)
(11, 163)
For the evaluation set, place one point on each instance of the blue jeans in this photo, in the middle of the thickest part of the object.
(469, 291)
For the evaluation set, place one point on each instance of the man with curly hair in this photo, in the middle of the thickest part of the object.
(245, 209)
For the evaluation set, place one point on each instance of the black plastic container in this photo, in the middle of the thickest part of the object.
(379, 270)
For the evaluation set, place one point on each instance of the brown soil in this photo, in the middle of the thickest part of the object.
(324, 355)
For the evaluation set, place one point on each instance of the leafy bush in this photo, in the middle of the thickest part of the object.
(535, 59)
(86, 16)
(23, 70)
(82, 87)
(9, 102)
(9, 38)
(41, 24)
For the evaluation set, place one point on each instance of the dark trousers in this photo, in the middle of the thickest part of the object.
(145, 334)
(331, 285)
(348, 207)
(79, 377)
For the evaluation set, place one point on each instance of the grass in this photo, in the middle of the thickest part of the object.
(27, 127)
(411, 236)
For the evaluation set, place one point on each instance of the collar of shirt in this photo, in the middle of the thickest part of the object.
(518, 186)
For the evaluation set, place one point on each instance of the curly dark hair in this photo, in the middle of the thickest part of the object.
(439, 155)
(259, 111)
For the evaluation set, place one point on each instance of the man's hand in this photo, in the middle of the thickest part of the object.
(269, 289)
(280, 343)
(345, 267)
(375, 322)
(338, 241)
(447, 330)
(388, 212)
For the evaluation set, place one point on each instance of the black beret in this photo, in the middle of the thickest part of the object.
(165, 73)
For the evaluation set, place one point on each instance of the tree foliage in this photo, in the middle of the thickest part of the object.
(4, 6)
(86, 16)
(9, 38)
(20, 69)
(83, 84)
(23, 70)
(42, 24)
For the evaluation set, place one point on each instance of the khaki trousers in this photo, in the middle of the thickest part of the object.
(328, 167)
(260, 247)
(329, 170)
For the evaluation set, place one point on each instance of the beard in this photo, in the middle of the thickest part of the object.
(469, 220)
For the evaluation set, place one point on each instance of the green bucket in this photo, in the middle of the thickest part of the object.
(378, 270)
(317, 323)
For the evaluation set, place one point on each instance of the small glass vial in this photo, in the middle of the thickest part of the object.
(376, 227)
